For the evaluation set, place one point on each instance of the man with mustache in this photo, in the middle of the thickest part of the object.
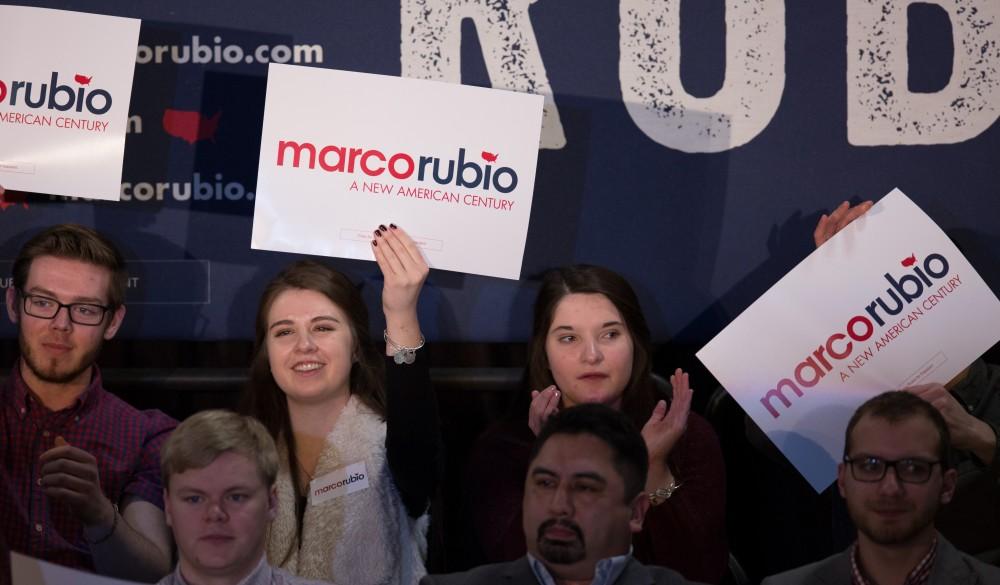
(584, 497)
(79, 468)
(897, 471)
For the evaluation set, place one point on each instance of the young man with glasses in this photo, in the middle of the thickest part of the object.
(79, 468)
(970, 405)
(897, 471)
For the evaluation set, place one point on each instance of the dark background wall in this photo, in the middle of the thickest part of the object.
(700, 234)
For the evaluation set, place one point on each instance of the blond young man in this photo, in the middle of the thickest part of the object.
(219, 470)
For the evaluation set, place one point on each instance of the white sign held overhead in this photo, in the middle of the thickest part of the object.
(888, 302)
(65, 88)
(343, 152)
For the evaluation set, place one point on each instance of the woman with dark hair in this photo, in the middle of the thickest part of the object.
(590, 343)
(357, 432)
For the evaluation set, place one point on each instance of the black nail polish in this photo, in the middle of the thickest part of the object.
(378, 233)
(381, 227)
(374, 243)
(392, 225)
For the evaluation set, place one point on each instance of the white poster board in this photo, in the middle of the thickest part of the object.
(65, 88)
(343, 152)
(888, 302)
(26, 570)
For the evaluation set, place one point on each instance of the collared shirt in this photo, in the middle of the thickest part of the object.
(605, 572)
(920, 575)
(264, 574)
(125, 442)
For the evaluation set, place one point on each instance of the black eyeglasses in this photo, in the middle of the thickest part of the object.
(79, 313)
(871, 469)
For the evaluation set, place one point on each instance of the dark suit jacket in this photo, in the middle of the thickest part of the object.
(951, 567)
(519, 573)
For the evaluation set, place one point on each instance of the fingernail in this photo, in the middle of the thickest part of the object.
(381, 227)
(378, 233)
(392, 225)
(374, 243)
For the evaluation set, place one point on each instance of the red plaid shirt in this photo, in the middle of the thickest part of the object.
(920, 575)
(125, 442)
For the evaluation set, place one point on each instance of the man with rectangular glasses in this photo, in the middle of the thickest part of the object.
(970, 405)
(79, 468)
(897, 471)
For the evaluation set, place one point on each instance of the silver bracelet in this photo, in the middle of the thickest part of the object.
(402, 354)
(663, 494)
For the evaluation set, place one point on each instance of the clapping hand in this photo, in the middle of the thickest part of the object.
(69, 475)
(665, 426)
(543, 405)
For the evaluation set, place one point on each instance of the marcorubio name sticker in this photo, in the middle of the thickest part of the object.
(339, 482)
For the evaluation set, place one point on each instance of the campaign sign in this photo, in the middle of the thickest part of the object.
(887, 303)
(65, 86)
(343, 152)
(25, 570)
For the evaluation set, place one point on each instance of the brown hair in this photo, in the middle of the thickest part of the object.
(200, 439)
(264, 400)
(897, 406)
(74, 242)
(639, 395)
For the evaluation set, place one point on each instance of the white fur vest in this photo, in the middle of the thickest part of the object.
(362, 538)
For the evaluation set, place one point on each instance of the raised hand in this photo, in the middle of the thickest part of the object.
(404, 270)
(967, 432)
(831, 224)
(543, 405)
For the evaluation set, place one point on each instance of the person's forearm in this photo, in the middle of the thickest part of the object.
(687, 531)
(659, 476)
(403, 328)
(985, 443)
(126, 554)
(413, 434)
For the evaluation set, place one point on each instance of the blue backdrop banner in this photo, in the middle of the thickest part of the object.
(692, 146)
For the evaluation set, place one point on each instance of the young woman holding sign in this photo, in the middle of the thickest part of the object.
(591, 344)
(357, 432)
